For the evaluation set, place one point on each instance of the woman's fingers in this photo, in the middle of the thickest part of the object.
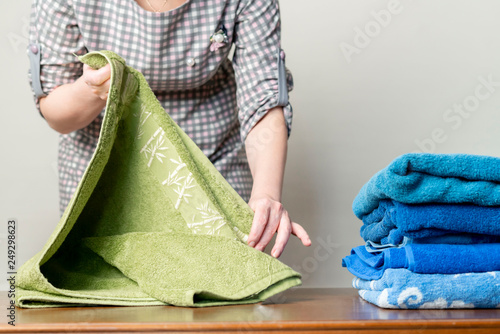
(284, 230)
(258, 224)
(275, 213)
(98, 80)
(270, 217)
(300, 233)
(103, 93)
(97, 77)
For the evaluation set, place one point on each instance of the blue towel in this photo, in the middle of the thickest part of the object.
(370, 266)
(438, 178)
(457, 239)
(401, 288)
(424, 259)
(451, 239)
(391, 221)
(374, 247)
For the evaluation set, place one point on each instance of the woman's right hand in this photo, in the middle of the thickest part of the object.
(75, 105)
(97, 80)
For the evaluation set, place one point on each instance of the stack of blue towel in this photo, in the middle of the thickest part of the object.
(431, 223)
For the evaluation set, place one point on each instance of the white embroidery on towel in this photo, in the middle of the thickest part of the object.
(211, 221)
(152, 150)
(174, 177)
(438, 303)
(182, 191)
(410, 296)
(461, 304)
(383, 299)
(143, 117)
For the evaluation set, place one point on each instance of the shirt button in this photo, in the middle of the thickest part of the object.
(34, 49)
(191, 62)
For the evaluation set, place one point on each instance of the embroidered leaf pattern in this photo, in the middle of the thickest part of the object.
(211, 221)
(143, 117)
(174, 177)
(182, 191)
(153, 147)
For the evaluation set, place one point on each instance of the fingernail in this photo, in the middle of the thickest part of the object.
(251, 244)
(274, 253)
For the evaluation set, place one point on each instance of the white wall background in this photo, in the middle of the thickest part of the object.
(354, 113)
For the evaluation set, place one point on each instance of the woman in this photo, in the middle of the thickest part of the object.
(182, 48)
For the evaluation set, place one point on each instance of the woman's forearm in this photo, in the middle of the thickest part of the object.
(73, 106)
(266, 147)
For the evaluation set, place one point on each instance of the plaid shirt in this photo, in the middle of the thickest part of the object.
(216, 101)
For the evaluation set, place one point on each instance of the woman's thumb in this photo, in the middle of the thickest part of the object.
(96, 77)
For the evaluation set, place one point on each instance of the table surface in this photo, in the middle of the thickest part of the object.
(300, 310)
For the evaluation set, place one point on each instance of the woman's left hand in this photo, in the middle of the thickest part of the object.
(270, 217)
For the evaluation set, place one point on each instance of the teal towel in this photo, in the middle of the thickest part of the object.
(152, 221)
(433, 178)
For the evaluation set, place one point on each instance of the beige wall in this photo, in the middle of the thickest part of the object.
(373, 80)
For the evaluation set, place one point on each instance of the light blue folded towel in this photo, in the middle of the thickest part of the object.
(428, 178)
(424, 259)
(403, 289)
(391, 221)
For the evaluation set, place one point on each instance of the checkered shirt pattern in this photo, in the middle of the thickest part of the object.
(216, 101)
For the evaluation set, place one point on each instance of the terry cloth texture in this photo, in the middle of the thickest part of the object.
(403, 289)
(152, 221)
(433, 178)
(424, 259)
(391, 221)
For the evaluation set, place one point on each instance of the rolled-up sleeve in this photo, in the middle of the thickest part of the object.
(54, 39)
(263, 80)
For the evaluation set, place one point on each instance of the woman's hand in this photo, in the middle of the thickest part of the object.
(97, 80)
(270, 217)
(75, 105)
(266, 148)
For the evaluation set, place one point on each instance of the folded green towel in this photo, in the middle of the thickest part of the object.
(152, 221)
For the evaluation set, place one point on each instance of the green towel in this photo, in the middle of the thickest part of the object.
(152, 222)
